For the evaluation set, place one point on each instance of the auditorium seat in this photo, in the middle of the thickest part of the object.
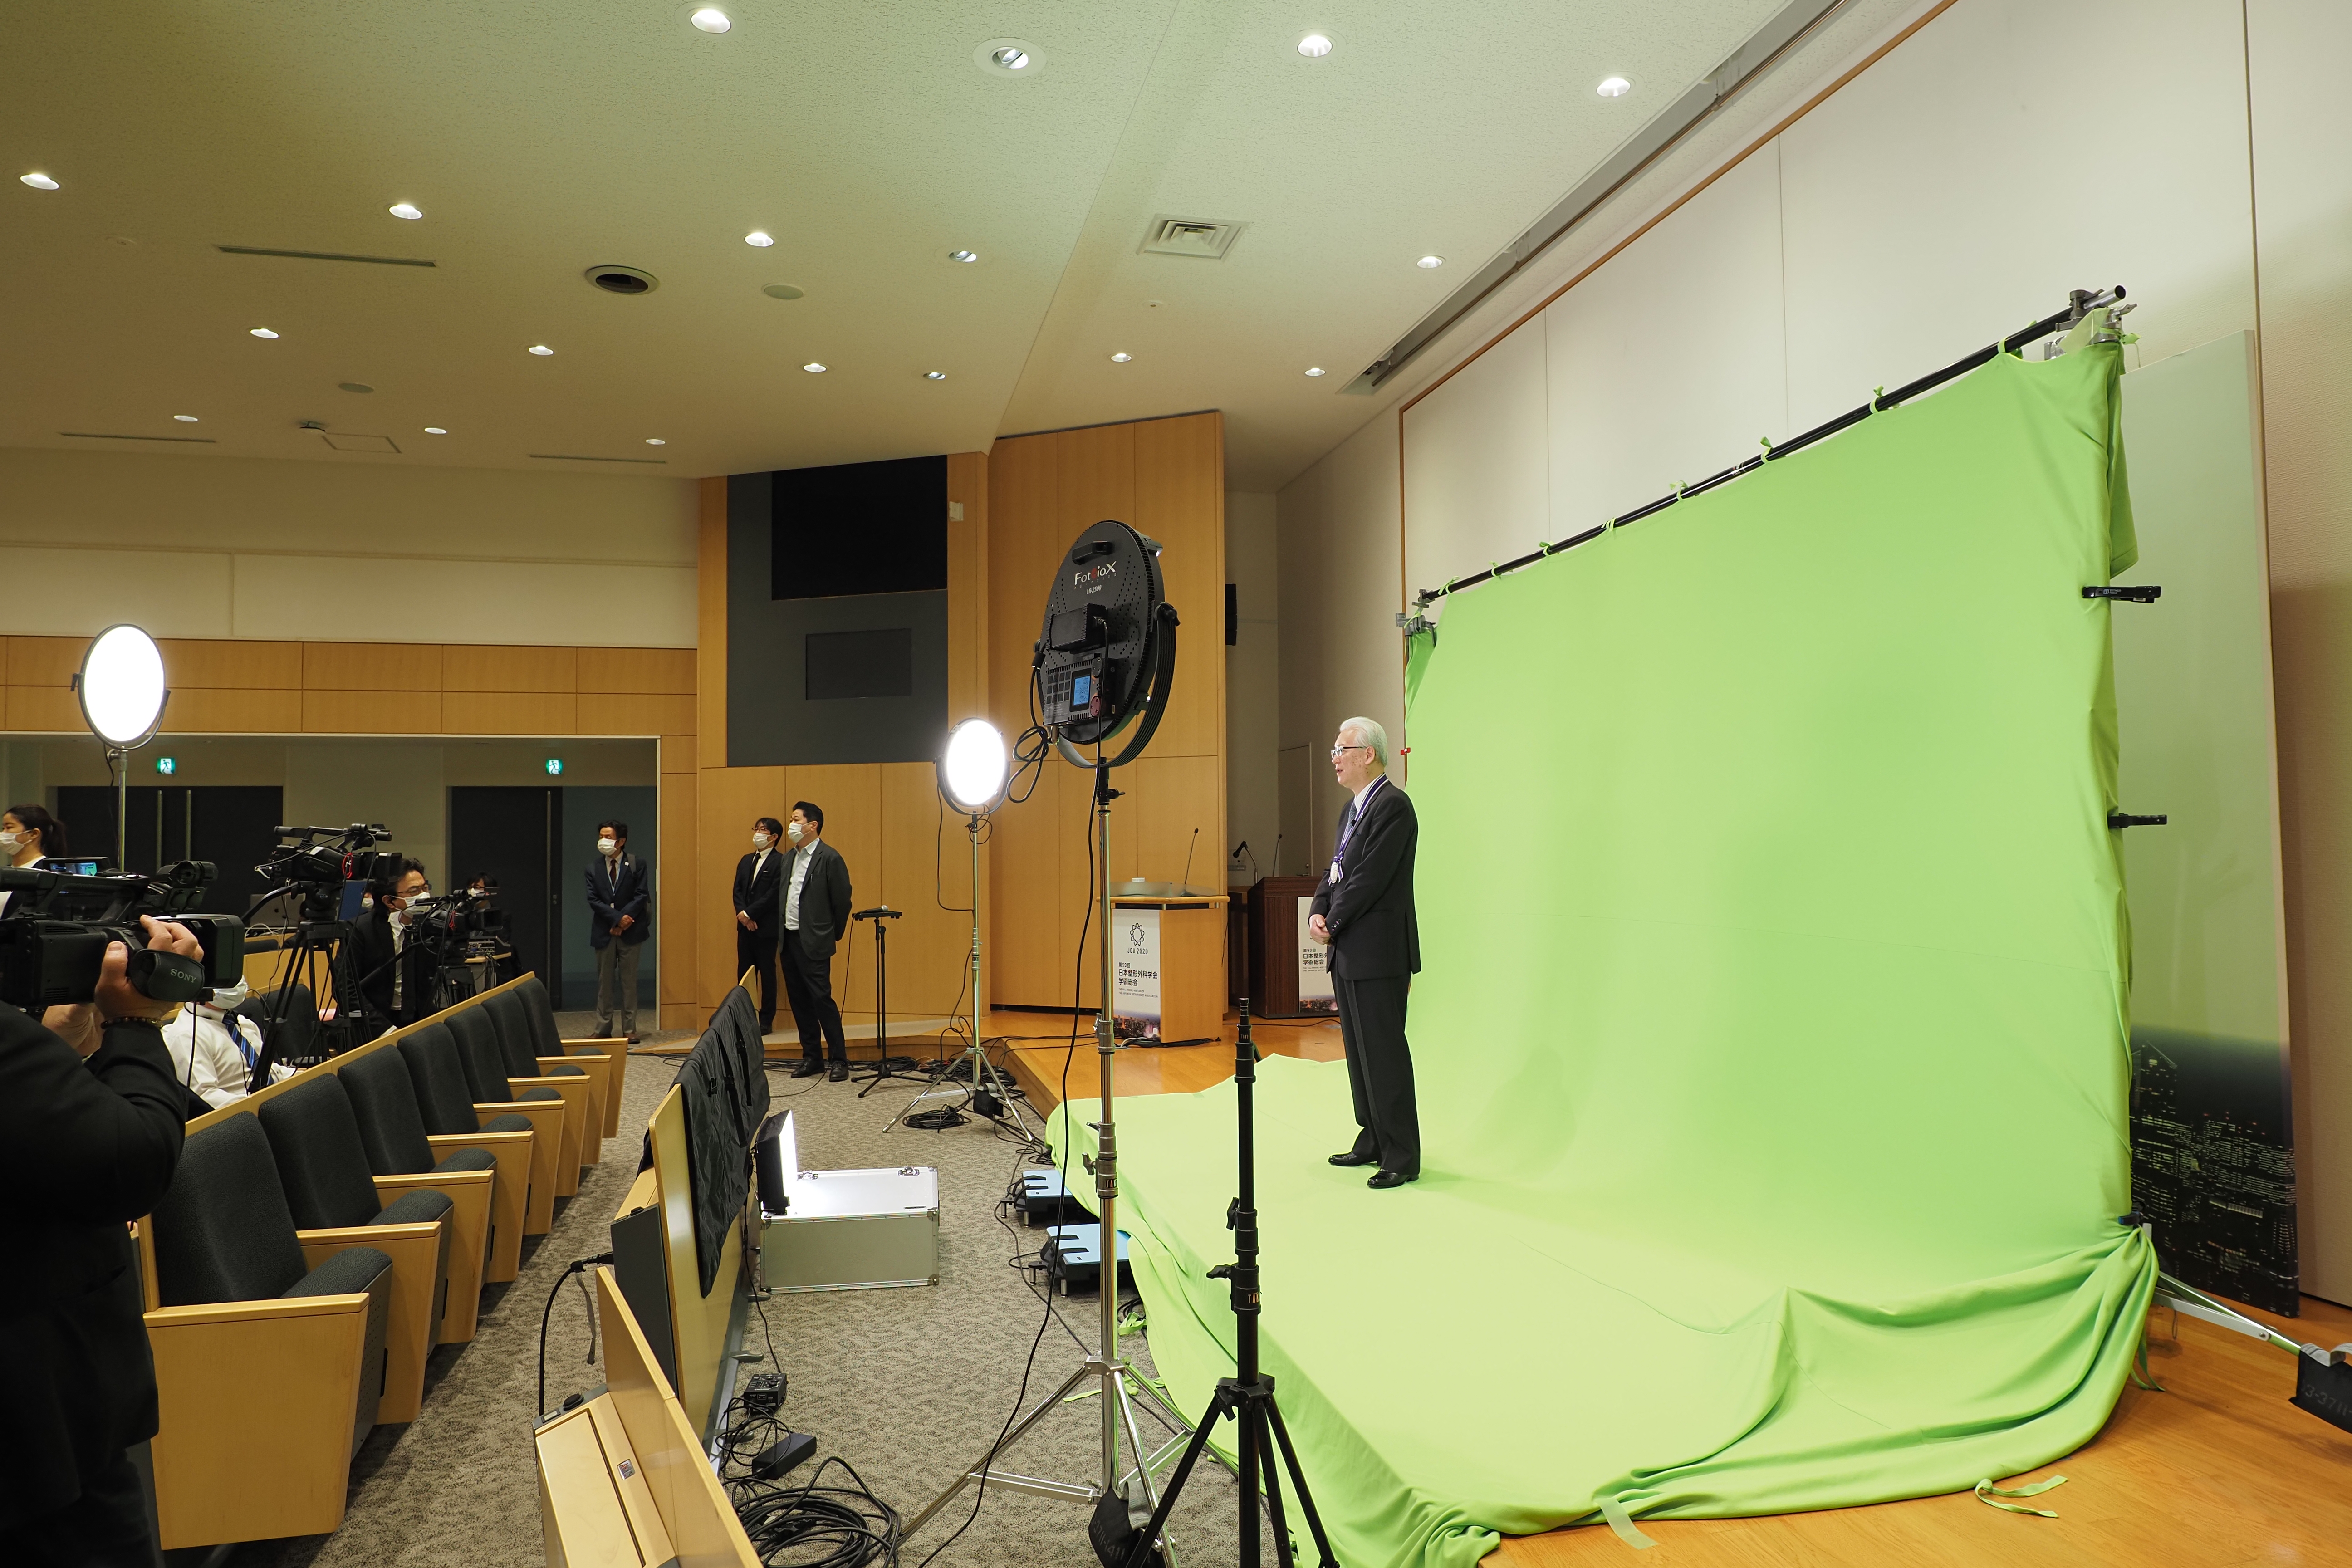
(446, 1100)
(315, 1140)
(486, 1070)
(486, 1175)
(509, 1016)
(548, 1041)
(269, 1357)
(297, 1033)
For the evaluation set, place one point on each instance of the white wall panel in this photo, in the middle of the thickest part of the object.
(1667, 364)
(47, 591)
(2011, 151)
(444, 601)
(1476, 479)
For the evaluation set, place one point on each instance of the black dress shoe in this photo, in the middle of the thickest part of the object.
(837, 1073)
(1384, 1179)
(806, 1068)
(1352, 1158)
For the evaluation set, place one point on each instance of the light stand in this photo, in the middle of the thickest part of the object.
(121, 685)
(885, 1066)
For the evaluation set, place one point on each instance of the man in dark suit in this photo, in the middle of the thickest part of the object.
(1363, 912)
(620, 893)
(90, 1122)
(816, 909)
(759, 896)
(392, 972)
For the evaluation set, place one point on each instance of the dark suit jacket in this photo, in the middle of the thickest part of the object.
(763, 899)
(825, 899)
(607, 903)
(374, 942)
(84, 1146)
(1369, 909)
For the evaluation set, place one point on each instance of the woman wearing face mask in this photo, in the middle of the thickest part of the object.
(758, 898)
(27, 834)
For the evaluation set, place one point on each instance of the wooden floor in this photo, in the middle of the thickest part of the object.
(2219, 1471)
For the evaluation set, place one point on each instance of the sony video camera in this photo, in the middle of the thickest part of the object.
(54, 933)
(324, 867)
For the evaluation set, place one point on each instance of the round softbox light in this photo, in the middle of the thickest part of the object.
(121, 686)
(972, 766)
(1108, 636)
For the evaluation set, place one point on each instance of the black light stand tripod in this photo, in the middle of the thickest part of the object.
(1247, 1396)
(884, 1065)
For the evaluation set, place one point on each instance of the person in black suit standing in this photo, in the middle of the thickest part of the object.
(1363, 912)
(620, 893)
(816, 909)
(90, 1122)
(758, 898)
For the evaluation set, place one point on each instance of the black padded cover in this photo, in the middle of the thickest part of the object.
(717, 1151)
(478, 1048)
(223, 1232)
(444, 1099)
(737, 1021)
(539, 1011)
(420, 1206)
(347, 1273)
(297, 1033)
(321, 1166)
(383, 1103)
(478, 1159)
(516, 1039)
(508, 1121)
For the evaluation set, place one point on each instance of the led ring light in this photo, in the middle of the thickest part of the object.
(1108, 650)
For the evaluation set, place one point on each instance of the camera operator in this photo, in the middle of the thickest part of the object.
(389, 969)
(90, 1122)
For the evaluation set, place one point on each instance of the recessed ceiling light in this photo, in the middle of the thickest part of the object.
(813, 368)
(1313, 46)
(354, 387)
(935, 375)
(434, 431)
(759, 238)
(1120, 358)
(1614, 86)
(1430, 263)
(403, 209)
(655, 441)
(263, 332)
(39, 182)
(782, 291)
(1317, 370)
(711, 19)
(541, 350)
(1012, 57)
(185, 418)
(963, 256)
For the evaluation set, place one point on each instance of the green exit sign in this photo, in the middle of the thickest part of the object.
(167, 765)
(555, 767)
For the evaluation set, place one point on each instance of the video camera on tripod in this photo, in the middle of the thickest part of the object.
(54, 935)
(327, 867)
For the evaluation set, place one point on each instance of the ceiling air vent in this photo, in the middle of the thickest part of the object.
(1191, 237)
(343, 441)
(615, 279)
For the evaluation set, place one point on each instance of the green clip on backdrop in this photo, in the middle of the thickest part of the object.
(1771, 1037)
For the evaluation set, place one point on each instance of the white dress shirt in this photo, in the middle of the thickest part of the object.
(206, 1056)
(793, 899)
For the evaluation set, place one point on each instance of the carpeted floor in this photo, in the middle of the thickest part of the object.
(907, 1385)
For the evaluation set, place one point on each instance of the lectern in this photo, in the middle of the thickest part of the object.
(1169, 953)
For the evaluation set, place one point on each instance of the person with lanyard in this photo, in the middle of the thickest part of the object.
(1363, 912)
(213, 1049)
(758, 898)
(619, 895)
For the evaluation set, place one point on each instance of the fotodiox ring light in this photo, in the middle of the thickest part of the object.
(121, 685)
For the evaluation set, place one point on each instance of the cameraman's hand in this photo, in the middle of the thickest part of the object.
(116, 997)
(76, 1025)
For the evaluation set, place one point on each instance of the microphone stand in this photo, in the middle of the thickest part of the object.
(886, 1066)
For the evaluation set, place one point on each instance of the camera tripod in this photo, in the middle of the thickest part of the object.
(1247, 1396)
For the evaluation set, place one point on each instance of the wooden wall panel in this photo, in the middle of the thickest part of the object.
(218, 662)
(45, 661)
(677, 885)
(510, 712)
(44, 708)
(1166, 477)
(203, 710)
(477, 668)
(371, 667)
(637, 713)
(376, 713)
(710, 619)
(678, 753)
(924, 863)
(668, 670)
(728, 798)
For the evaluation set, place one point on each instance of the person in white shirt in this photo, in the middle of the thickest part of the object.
(213, 1049)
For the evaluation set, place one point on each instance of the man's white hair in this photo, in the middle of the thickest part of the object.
(1367, 732)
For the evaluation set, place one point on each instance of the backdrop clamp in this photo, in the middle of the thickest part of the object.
(2117, 820)
(2137, 592)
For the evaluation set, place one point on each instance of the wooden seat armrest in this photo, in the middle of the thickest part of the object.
(572, 1059)
(452, 1142)
(559, 1084)
(485, 1109)
(255, 1312)
(428, 1181)
(603, 1043)
(375, 1236)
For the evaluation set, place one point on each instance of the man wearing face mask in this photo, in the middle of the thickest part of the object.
(758, 898)
(618, 899)
(389, 976)
(213, 1049)
(816, 908)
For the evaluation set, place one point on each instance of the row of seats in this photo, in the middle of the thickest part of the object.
(322, 1237)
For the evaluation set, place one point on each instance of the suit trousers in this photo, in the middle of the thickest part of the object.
(1380, 1071)
(808, 982)
(757, 949)
(109, 1526)
(616, 984)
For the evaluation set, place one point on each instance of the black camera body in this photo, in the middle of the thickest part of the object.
(54, 935)
(315, 864)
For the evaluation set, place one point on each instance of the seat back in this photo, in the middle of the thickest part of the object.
(510, 1021)
(296, 1035)
(384, 1104)
(478, 1052)
(443, 1098)
(223, 1232)
(539, 1010)
(321, 1166)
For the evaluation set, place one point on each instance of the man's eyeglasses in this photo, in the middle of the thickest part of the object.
(1337, 749)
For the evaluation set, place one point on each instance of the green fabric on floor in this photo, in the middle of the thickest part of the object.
(1770, 1032)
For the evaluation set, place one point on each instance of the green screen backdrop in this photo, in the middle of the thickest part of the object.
(1771, 1034)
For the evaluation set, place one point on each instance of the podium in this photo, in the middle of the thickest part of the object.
(1169, 962)
(1289, 972)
